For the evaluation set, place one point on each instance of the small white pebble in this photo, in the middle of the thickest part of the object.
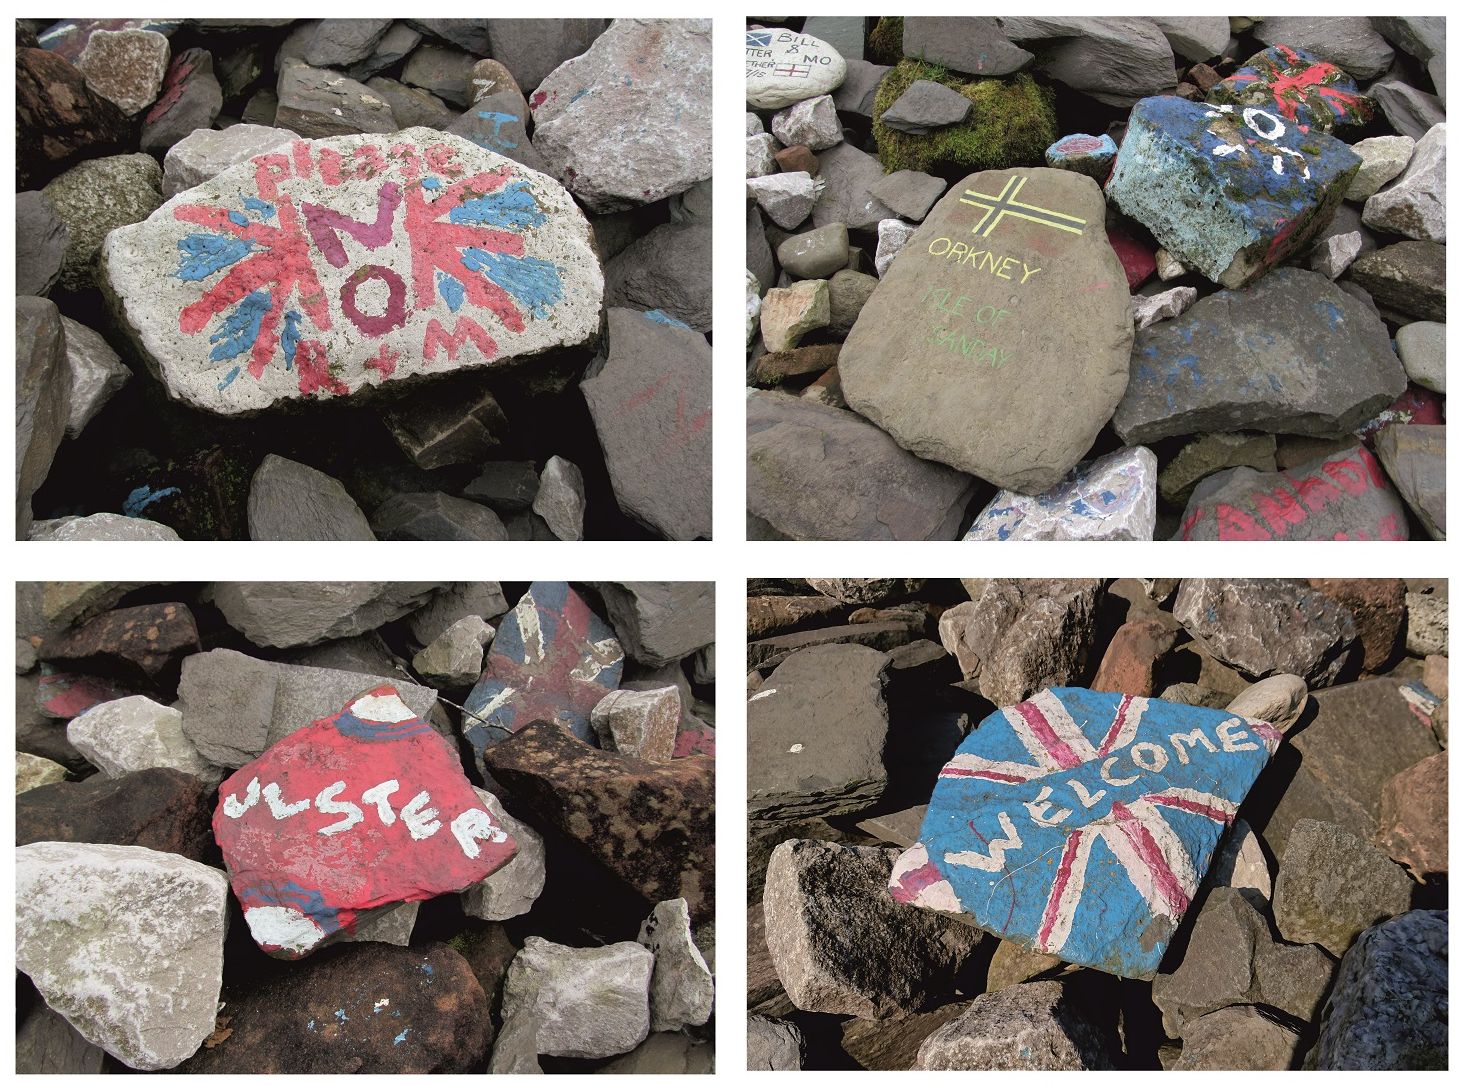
(796, 747)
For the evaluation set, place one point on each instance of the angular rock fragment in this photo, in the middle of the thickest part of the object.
(640, 724)
(513, 888)
(586, 1003)
(1030, 1026)
(162, 809)
(132, 734)
(286, 614)
(681, 991)
(1332, 886)
(290, 501)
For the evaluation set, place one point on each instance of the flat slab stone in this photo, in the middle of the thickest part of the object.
(333, 265)
(1415, 459)
(553, 658)
(782, 67)
(1112, 497)
(1292, 354)
(1080, 824)
(364, 808)
(1231, 191)
(1300, 87)
(1007, 305)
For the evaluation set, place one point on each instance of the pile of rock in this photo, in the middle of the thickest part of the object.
(1096, 278)
(424, 279)
(274, 828)
(1085, 824)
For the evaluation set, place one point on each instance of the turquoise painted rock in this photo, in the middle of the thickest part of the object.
(1229, 190)
(1301, 88)
(1080, 824)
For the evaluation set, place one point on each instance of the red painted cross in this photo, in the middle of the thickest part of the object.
(794, 71)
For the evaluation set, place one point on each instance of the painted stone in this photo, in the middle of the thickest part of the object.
(1112, 497)
(552, 659)
(1009, 305)
(1343, 495)
(61, 696)
(191, 100)
(1090, 155)
(1300, 87)
(1415, 459)
(335, 264)
(1291, 354)
(1231, 191)
(360, 809)
(1080, 824)
(629, 121)
(782, 67)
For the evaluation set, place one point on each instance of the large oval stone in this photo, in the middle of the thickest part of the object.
(998, 341)
(782, 67)
(331, 265)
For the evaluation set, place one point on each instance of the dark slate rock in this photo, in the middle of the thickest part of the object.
(339, 43)
(962, 43)
(316, 102)
(1408, 276)
(290, 501)
(40, 244)
(160, 809)
(436, 517)
(659, 622)
(1411, 112)
(857, 94)
(497, 123)
(191, 99)
(390, 50)
(669, 269)
(471, 35)
(506, 486)
(1117, 61)
(765, 655)
(412, 107)
(1349, 41)
(59, 119)
(532, 48)
(42, 398)
(926, 105)
(1293, 354)
(445, 72)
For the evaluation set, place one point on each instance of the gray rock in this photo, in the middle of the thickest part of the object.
(1422, 350)
(817, 733)
(235, 706)
(867, 592)
(908, 193)
(131, 734)
(1388, 1009)
(669, 270)
(284, 614)
(1292, 354)
(1332, 885)
(455, 658)
(587, 1003)
(1110, 497)
(811, 123)
(845, 32)
(42, 398)
(840, 944)
(1415, 204)
(1411, 112)
(817, 253)
(787, 198)
(339, 43)
(447, 424)
(103, 527)
(192, 99)
(818, 472)
(390, 50)
(481, 599)
(497, 123)
(135, 975)
(1196, 38)
(849, 291)
(1415, 459)
(1268, 627)
(892, 235)
(759, 151)
(1333, 255)
(40, 244)
(507, 486)
(924, 106)
(97, 374)
(125, 66)
(316, 102)
(290, 501)
(848, 174)
(665, 1053)
(533, 48)
(1349, 41)
(46, 1043)
(1018, 636)
(774, 1044)
(513, 888)
(560, 499)
(205, 153)
(659, 622)
(1031, 1026)
(436, 517)
(758, 256)
(857, 94)
(962, 43)
(682, 986)
(1409, 276)
(1427, 629)
(1117, 61)
(96, 197)
(1384, 158)
(414, 107)
(447, 73)
(391, 923)
(639, 723)
(1237, 1038)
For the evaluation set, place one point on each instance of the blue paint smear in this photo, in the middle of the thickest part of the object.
(239, 218)
(513, 207)
(229, 377)
(431, 183)
(204, 254)
(656, 316)
(311, 1025)
(496, 137)
(290, 337)
(260, 207)
(143, 496)
(341, 1016)
(451, 291)
(532, 282)
(241, 328)
(400, 1036)
(578, 95)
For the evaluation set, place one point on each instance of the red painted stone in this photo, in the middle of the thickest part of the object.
(1137, 259)
(1416, 407)
(64, 696)
(697, 738)
(362, 809)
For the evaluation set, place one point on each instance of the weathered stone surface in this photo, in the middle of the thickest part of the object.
(1231, 192)
(1112, 497)
(95, 197)
(1388, 1009)
(45, 1043)
(811, 124)
(162, 809)
(552, 659)
(438, 1021)
(235, 706)
(1349, 41)
(1129, 662)
(142, 642)
(847, 175)
(769, 615)
(1384, 158)
(924, 106)
(134, 975)
(1413, 822)
(1173, 775)
(125, 66)
(1212, 452)
(436, 517)
(1092, 156)
(841, 945)
(287, 614)
(534, 48)
(413, 107)
(483, 599)
(1422, 349)
(42, 398)
(652, 407)
(774, 1044)
(1240, 862)
(789, 313)
(1411, 112)
(1116, 60)
(1293, 354)
(681, 991)
(1195, 37)
(1415, 459)
(586, 1003)
(40, 244)
(908, 193)
(1166, 305)
(290, 501)
(1427, 624)
(1296, 86)
(1332, 885)
(1341, 495)
(1408, 276)
(857, 93)
(989, 334)
(336, 313)
(514, 887)
(1333, 255)
(892, 235)
(1030, 1026)
(759, 156)
(1238, 1038)
(32, 772)
(1415, 204)
(318, 102)
(650, 825)
(817, 253)
(659, 622)
(60, 117)
(560, 499)
(191, 100)
(1268, 627)
(297, 886)
(669, 271)
(965, 44)
(505, 486)
(883, 636)
(456, 655)
(817, 732)
(134, 733)
(639, 723)
(205, 153)
(97, 374)
(1377, 606)
(1017, 636)
(447, 73)
(339, 43)
(782, 67)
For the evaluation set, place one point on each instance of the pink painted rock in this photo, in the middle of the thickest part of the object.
(1417, 406)
(63, 696)
(330, 265)
(1137, 259)
(365, 808)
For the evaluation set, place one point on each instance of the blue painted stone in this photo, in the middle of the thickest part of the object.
(1230, 190)
(1300, 87)
(1111, 497)
(552, 658)
(1080, 824)
(1090, 155)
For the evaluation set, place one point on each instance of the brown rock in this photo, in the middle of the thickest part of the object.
(1203, 76)
(649, 824)
(882, 636)
(892, 1045)
(781, 365)
(1012, 964)
(1412, 817)
(769, 615)
(1435, 675)
(134, 641)
(1129, 663)
(1378, 609)
(59, 118)
(826, 389)
(798, 159)
(161, 809)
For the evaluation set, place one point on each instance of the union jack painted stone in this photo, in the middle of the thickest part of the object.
(1080, 824)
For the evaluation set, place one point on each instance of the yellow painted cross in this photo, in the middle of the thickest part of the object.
(994, 208)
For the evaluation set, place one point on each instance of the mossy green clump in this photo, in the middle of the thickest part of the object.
(1012, 123)
(884, 44)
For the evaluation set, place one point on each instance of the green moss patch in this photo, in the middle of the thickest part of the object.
(884, 44)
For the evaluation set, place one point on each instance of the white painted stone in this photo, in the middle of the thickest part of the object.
(97, 374)
(1384, 159)
(206, 152)
(456, 655)
(630, 120)
(514, 887)
(373, 299)
(126, 943)
(587, 1003)
(1415, 204)
(1110, 498)
(1422, 350)
(32, 772)
(812, 123)
(102, 527)
(1167, 305)
(134, 733)
(891, 238)
(682, 984)
(782, 67)
(1333, 256)
(639, 723)
(787, 198)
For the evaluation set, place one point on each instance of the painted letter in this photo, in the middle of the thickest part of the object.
(474, 825)
(377, 796)
(1084, 794)
(1233, 743)
(993, 860)
(1189, 738)
(1040, 803)
(420, 818)
(234, 808)
(325, 804)
(1107, 778)
(1154, 762)
(280, 810)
